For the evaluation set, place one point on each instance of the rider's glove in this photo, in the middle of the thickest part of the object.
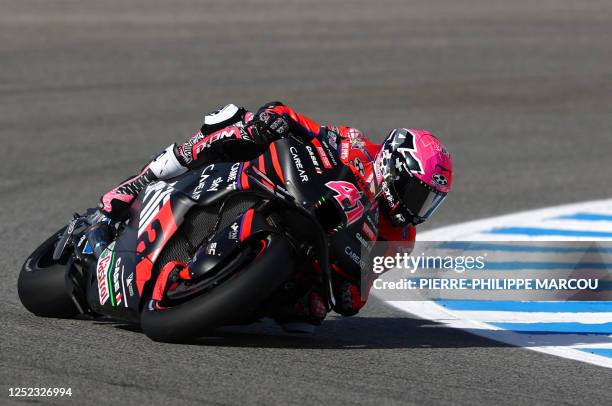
(270, 126)
(348, 298)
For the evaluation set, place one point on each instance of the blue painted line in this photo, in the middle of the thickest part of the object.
(477, 246)
(604, 352)
(508, 306)
(586, 217)
(534, 232)
(548, 328)
(439, 263)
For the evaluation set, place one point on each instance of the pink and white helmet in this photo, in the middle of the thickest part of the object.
(414, 172)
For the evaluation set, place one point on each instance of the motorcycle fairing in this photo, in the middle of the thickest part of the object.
(226, 242)
(161, 208)
(155, 217)
(322, 166)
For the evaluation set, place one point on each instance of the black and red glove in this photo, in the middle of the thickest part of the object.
(269, 127)
(348, 298)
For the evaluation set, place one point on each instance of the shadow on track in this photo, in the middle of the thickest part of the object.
(341, 333)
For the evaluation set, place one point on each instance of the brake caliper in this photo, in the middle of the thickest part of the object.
(170, 273)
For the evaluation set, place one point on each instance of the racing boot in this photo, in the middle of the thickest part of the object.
(116, 203)
(348, 298)
(305, 315)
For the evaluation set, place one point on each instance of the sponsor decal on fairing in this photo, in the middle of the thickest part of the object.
(365, 243)
(329, 153)
(322, 154)
(233, 233)
(314, 160)
(117, 282)
(214, 186)
(128, 282)
(202, 183)
(355, 258)
(103, 267)
(233, 176)
(298, 164)
(332, 138)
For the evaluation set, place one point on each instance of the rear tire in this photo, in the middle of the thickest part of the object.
(238, 296)
(43, 286)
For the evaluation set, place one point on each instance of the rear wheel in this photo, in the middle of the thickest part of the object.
(43, 286)
(235, 294)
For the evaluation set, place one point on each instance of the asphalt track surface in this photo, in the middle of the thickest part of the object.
(520, 91)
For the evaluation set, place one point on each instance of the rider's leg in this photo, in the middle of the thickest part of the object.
(116, 203)
(173, 161)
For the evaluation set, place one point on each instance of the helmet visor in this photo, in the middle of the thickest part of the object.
(420, 199)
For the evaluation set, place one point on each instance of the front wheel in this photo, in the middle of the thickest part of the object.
(43, 286)
(239, 295)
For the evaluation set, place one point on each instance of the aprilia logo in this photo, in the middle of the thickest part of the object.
(233, 233)
(128, 282)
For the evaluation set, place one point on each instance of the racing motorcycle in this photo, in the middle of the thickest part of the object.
(256, 236)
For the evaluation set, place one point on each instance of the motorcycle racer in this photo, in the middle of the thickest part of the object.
(409, 175)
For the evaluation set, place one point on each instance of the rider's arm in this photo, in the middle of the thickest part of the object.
(234, 134)
(224, 135)
(388, 232)
(347, 290)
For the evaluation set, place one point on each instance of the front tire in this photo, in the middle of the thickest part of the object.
(43, 286)
(236, 297)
